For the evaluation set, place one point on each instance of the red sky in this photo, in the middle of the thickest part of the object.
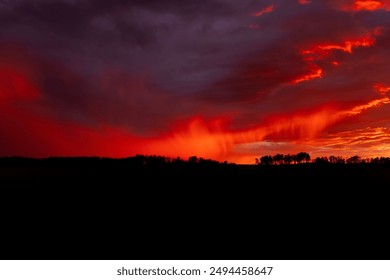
(222, 79)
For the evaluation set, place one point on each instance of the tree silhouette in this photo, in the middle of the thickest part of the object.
(193, 159)
(321, 160)
(336, 160)
(266, 160)
(278, 159)
(303, 157)
(354, 159)
(288, 159)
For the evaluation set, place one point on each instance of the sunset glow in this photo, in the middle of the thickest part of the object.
(347, 46)
(266, 10)
(364, 5)
(368, 5)
(316, 74)
(382, 89)
(226, 80)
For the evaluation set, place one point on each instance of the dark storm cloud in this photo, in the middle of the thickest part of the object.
(177, 48)
(145, 64)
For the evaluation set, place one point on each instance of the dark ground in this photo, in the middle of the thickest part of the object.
(148, 208)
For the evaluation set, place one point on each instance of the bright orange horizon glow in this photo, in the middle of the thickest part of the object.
(304, 130)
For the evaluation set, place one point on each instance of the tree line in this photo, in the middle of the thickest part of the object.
(304, 157)
(278, 159)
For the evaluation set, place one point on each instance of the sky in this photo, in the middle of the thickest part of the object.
(221, 79)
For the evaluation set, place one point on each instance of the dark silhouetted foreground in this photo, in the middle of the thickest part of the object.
(294, 169)
(138, 208)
